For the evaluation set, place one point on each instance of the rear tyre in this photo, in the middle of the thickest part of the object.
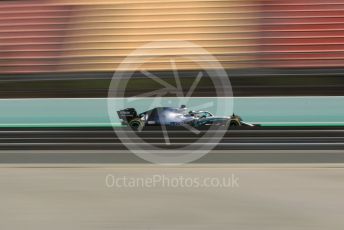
(136, 124)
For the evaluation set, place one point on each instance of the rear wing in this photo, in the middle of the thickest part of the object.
(126, 115)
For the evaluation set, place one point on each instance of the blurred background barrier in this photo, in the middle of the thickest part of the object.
(68, 36)
(302, 33)
(60, 48)
(84, 35)
(86, 112)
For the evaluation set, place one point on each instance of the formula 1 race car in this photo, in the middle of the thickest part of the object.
(169, 116)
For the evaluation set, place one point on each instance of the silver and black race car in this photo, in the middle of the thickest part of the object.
(169, 116)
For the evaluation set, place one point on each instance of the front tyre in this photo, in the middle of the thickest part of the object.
(232, 123)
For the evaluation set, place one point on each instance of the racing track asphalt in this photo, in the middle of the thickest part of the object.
(240, 145)
(44, 186)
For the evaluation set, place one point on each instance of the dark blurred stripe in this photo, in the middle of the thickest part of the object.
(245, 82)
(101, 145)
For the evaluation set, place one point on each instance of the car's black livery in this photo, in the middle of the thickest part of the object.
(169, 116)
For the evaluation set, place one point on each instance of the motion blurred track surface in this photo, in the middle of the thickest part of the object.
(239, 145)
